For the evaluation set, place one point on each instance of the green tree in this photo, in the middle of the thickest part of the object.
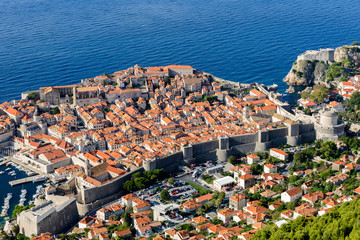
(129, 185)
(305, 94)
(127, 218)
(256, 169)
(354, 101)
(55, 111)
(165, 195)
(32, 96)
(140, 182)
(320, 93)
(167, 80)
(171, 181)
(232, 159)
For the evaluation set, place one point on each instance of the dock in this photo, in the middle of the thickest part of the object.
(23, 180)
(4, 162)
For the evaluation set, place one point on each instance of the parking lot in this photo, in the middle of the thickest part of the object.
(179, 192)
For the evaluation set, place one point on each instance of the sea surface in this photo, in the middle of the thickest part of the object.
(49, 43)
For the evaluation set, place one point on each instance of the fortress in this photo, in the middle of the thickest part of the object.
(293, 133)
(326, 55)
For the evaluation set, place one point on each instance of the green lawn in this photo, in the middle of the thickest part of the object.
(201, 190)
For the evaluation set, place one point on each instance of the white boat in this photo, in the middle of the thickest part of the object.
(2, 172)
(39, 179)
(8, 169)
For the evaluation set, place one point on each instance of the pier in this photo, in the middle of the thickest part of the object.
(23, 180)
(4, 162)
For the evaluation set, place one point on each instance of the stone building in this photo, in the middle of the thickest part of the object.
(57, 95)
(55, 216)
(180, 70)
(32, 128)
(237, 202)
(192, 84)
(326, 55)
(51, 95)
(86, 96)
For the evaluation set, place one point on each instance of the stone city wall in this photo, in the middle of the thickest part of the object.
(92, 198)
(90, 195)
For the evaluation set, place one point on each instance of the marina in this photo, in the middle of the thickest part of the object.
(5, 208)
(22, 197)
(23, 192)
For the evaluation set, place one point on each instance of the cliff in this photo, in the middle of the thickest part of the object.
(351, 53)
(319, 68)
(306, 72)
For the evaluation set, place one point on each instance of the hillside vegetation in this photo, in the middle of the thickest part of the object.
(340, 223)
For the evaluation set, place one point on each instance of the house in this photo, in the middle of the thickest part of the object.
(103, 214)
(313, 197)
(142, 226)
(203, 199)
(336, 106)
(357, 191)
(351, 166)
(246, 181)
(191, 206)
(338, 165)
(181, 235)
(268, 194)
(226, 214)
(291, 195)
(280, 154)
(307, 103)
(275, 205)
(237, 202)
(140, 205)
(288, 214)
(44, 236)
(200, 220)
(122, 234)
(216, 228)
(252, 158)
(127, 199)
(86, 222)
(270, 168)
(305, 210)
(338, 179)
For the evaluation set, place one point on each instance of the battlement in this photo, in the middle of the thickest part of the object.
(326, 55)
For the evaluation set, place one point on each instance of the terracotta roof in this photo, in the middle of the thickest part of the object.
(294, 191)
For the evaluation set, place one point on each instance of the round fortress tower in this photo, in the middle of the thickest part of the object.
(328, 118)
(329, 127)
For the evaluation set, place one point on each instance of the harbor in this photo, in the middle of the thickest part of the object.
(24, 185)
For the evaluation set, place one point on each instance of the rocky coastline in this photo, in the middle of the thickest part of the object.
(325, 66)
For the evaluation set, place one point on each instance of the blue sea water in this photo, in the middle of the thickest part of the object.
(60, 42)
(45, 42)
